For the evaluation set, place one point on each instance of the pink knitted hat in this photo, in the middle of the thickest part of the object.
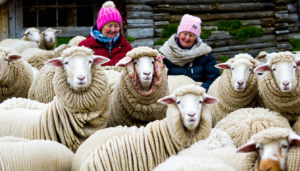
(108, 13)
(191, 24)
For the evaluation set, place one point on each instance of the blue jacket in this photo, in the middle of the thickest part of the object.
(203, 69)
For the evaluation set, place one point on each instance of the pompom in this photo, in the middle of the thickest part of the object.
(108, 4)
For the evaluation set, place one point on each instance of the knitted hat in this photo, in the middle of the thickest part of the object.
(108, 13)
(191, 24)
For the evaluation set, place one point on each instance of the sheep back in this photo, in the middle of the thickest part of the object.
(243, 123)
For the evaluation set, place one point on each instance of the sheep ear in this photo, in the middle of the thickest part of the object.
(294, 139)
(57, 62)
(262, 68)
(223, 66)
(298, 61)
(14, 57)
(210, 99)
(167, 100)
(249, 147)
(58, 31)
(124, 61)
(24, 34)
(42, 33)
(260, 57)
(100, 60)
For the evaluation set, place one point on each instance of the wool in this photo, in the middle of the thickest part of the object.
(113, 77)
(50, 45)
(115, 68)
(76, 40)
(243, 123)
(175, 81)
(143, 148)
(21, 103)
(69, 119)
(231, 100)
(23, 155)
(32, 29)
(16, 81)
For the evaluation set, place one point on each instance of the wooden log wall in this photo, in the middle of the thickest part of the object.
(278, 18)
(4, 28)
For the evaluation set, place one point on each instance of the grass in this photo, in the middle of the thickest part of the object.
(295, 43)
(224, 58)
(63, 40)
(130, 39)
(229, 25)
(205, 33)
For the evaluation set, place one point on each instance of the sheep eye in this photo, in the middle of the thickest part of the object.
(294, 66)
(232, 68)
(134, 62)
(90, 62)
(274, 69)
(152, 62)
(6, 59)
(66, 63)
(284, 146)
(258, 148)
(178, 102)
(250, 70)
(200, 101)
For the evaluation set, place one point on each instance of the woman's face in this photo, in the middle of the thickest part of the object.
(187, 39)
(111, 29)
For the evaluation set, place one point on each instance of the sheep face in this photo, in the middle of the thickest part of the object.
(78, 69)
(4, 60)
(33, 36)
(144, 67)
(241, 71)
(273, 154)
(190, 107)
(50, 35)
(285, 73)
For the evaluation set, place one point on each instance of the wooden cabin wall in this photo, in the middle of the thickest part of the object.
(4, 28)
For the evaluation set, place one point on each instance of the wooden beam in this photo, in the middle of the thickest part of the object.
(2, 2)
(12, 19)
(160, 24)
(141, 33)
(267, 22)
(253, 52)
(142, 42)
(180, 2)
(161, 16)
(138, 1)
(243, 47)
(140, 21)
(139, 14)
(139, 25)
(291, 8)
(19, 17)
(138, 7)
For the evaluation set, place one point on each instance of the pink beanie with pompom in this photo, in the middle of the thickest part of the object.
(191, 24)
(108, 13)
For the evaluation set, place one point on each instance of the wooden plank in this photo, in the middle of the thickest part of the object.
(284, 45)
(4, 33)
(161, 16)
(63, 29)
(243, 47)
(139, 14)
(19, 16)
(253, 52)
(294, 35)
(281, 26)
(157, 46)
(292, 8)
(187, 8)
(141, 33)
(140, 26)
(266, 22)
(179, 2)
(158, 32)
(217, 35)
(282, 37)
(268, 30)
(142, 42)
(293, 28)
(138, 7)
(226, 16)
(12, 19)
(282, 1)
(155, 39)
(2, 2)
(280, 8)
(140, 21)
(160, 24)
(282, 31)
(138, 1)
(293, 18)
(244, 22)
(281, 16)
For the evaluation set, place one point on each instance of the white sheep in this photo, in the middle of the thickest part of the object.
(279, 86)
(142, 82)
(22, 45)
(175, 81)
(80, 108)
(7, 42)
(236, 88)
(33, 35)
(263, 57)
(76, 40)
(16, 75)
(37, 57)
(50, 38)
(131, 148)
(34, 155)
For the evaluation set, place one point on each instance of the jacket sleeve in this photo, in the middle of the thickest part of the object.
(211, 72)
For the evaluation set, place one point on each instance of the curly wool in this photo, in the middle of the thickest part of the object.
(115, 68)
(143, 148)
(16, 81)
(76, 40)
(23, 155)
(142, 51)
(231, 100)
(21, 103)
(69, 119)
(243, 123)
(50, 45)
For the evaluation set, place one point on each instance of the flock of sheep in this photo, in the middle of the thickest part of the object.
(59, 101)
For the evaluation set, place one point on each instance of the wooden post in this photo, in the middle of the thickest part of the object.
(12, 18)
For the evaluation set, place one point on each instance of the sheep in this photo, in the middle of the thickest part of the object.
(37, 57)
(279, 86)
(50, 38)
(80, 107)
(130, 148)
(16, 75)
(175, 81)
(142, 82)
(7, 42)
(33, 35)
(22, 45)
(243, 123)
(34, 155)
(113, 74)
(237, 87)
(76, 40)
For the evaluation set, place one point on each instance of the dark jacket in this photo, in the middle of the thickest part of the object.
(203, 69)
(118, 52)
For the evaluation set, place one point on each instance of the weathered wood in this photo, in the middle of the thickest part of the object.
(284, 45)
(281, 16)
(282, 31)
(138, 1)
(294, 35)
(138, 7)
(2, 2)
(244, 22)
(141, 33)
(281, 26)
(140, 21)
(161, 16)
(19, 16)
(282, 37)
(215, 7)
(293, 28)
(253, 52)
(232, 41)
(157, 46)
(12, 19)
(243, 47)
(139, 14)
(4, 28)
(293, 18)
(217, 35)
(227, 16)
(281, 8)
(266, 22)
(139, 26)
(160, 24)
(291, 8)
(158, 32)
(268, 30)
(155, 39)
(210, 27)
(282, 1)
(179, 2)
(142, 42)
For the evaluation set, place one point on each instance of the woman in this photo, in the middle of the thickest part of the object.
(186, 54)
(105, 37)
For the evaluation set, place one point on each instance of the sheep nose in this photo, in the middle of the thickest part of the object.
(240, 82)
(51, 38)
(146, 73)
(81, 77)
(285, 83)
(191, 115)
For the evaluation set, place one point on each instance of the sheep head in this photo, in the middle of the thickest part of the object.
(33, 35)
(6, 56)
(272, 145)
(241, 68)
(189, 100)
(283, 65)
(77, 63)
(50, 35)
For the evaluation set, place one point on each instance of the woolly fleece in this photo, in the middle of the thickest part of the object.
(21, 103)
(50, 45)
(129, 106)
(286, 103)
(32, 29)
(17, 80)
(76, 40)
(175, 81)
(23, 155)
(123, 148)
(69, 119)
(243, 123)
